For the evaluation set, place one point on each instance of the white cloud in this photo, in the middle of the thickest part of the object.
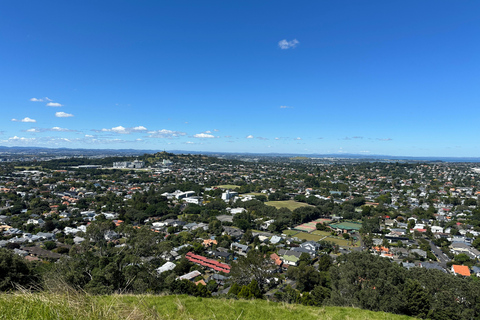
(36, 100)
(204, 135)
(190, 142)
(46, 98)
(284, 44)
(54, 104)
(164, 133)
(285, 107)
(63, 114)
(297, 138)
(277, 138)
(208, 131)
(123, 130)
(216, 130)
(54, 129)
(60, 129)
(249, 137)
(26, 119)
(88, 136)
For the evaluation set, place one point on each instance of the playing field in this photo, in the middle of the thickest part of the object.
(290, 232)
(322, 233)
(308, 236)
(227, 186)
(289, 204)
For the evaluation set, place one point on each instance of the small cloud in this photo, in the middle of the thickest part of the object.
(216, 130)
(164, 133)
(204, 135)
(54, 129)
(190, 142)
(54, 104)
(208, 131)
(277, 138)
(46, 98)
(284, 44)
(36, 100)
(139, 129)
(249, 137)
(63, 114)
(285, 107)
(58, 129)
(88, 136)
(384, 139)
(262, 138)
(297, 138)
(26, 119)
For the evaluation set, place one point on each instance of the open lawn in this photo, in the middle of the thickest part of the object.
(337, 240)
(308, 236)
(227, 186)
(290, 232)
(254, 194)
(289, 204)
(322, 233)
(79, 306)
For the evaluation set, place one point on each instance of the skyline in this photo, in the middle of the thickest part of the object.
(395, 79)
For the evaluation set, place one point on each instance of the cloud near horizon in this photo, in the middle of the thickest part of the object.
(123, 130)
(164, 133)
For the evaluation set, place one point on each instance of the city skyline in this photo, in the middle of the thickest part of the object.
(322, 78)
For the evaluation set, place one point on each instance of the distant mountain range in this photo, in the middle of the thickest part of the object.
(40, 151)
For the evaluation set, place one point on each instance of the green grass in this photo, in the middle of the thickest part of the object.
(254, 194)
(337, 240)
(289, 204)
(322, 233)
(308, 236)
(227, 186)
(290, 232)
(80, 306)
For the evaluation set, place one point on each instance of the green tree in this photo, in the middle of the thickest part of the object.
(14, 270)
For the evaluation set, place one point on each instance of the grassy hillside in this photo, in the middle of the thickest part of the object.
(80, 306)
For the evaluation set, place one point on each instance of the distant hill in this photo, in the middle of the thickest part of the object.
(80, 306)
(134, 152)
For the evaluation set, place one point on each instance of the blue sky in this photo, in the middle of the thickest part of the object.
(366, 77)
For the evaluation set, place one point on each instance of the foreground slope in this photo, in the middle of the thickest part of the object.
(79, 306)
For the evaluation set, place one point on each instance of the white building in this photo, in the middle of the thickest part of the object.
(229, 195)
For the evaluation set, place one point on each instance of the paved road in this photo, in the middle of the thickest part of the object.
(442, 258)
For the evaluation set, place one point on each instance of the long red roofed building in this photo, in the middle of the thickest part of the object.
(206, 262)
